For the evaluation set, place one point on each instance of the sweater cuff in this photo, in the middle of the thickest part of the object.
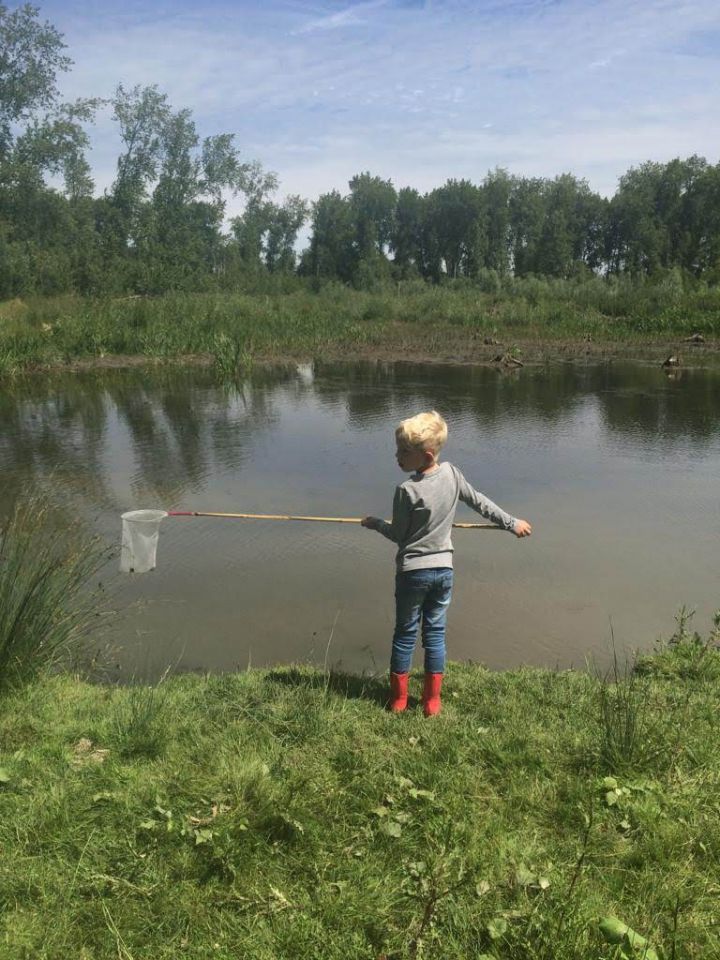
(386, 530)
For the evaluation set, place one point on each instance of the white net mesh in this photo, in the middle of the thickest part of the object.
(140, 533)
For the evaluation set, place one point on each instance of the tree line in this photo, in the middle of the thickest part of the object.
(162, 223)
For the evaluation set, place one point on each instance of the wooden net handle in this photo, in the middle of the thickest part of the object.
(283, 516)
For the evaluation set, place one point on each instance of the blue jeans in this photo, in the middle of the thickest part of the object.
(421, 595)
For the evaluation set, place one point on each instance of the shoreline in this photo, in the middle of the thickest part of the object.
(455, 350)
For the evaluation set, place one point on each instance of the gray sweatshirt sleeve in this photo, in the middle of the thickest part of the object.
(480, 504)
(397, 531)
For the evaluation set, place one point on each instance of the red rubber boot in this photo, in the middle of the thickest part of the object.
(431, 694)
(398, 692)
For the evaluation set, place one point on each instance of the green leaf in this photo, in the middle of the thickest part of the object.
(103, 797)
(615, 931)
(203, 836)
(497, 928)
(609, 783)
(421, 794)
(391, 827)
(524, 877)
(482, 887)
(148, 824)
(4, 776)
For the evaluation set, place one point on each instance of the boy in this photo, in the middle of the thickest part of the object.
(423, 511)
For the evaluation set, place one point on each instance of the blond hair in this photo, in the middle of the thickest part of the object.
(424, 431)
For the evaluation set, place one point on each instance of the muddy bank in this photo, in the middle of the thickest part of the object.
(528, 350)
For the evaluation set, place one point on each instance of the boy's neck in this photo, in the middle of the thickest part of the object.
(430, 468)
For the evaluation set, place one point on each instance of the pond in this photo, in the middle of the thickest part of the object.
(617, 466)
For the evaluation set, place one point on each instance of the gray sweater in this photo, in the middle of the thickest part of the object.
(423, 512)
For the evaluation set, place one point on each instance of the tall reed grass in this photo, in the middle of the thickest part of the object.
(47, 606)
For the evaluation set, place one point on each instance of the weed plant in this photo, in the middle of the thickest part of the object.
(686, 654)
(288, 815)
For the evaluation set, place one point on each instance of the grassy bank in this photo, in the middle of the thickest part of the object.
(283, 813)
(447, 320)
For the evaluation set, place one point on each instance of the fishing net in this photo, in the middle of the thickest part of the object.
(140, 533)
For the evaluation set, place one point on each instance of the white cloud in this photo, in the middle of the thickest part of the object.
(352, 16)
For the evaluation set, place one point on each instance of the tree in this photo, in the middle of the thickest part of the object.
(56, 143)
(331, 254)
(48, 239)
(700, 224)
(250, 228)
(142, 114)
(453, 226)
(30, 58)
(406, 241)
(496, 190)
(526, 209)
(652, 221)
(372, 202)
(284, 223)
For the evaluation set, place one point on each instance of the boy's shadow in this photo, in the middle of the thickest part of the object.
(346, 685)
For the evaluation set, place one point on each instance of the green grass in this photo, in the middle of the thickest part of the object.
(234, 328)
(283, 813)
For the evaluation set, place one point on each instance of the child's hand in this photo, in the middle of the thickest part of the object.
(522, 529)
(372, 523)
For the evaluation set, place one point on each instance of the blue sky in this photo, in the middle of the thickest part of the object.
(414, 90)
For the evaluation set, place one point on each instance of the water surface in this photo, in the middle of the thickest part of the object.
(617, 467)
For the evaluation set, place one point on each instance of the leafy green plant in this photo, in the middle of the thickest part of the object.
(686, 653)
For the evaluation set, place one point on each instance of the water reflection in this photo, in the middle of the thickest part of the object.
(173, 424)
